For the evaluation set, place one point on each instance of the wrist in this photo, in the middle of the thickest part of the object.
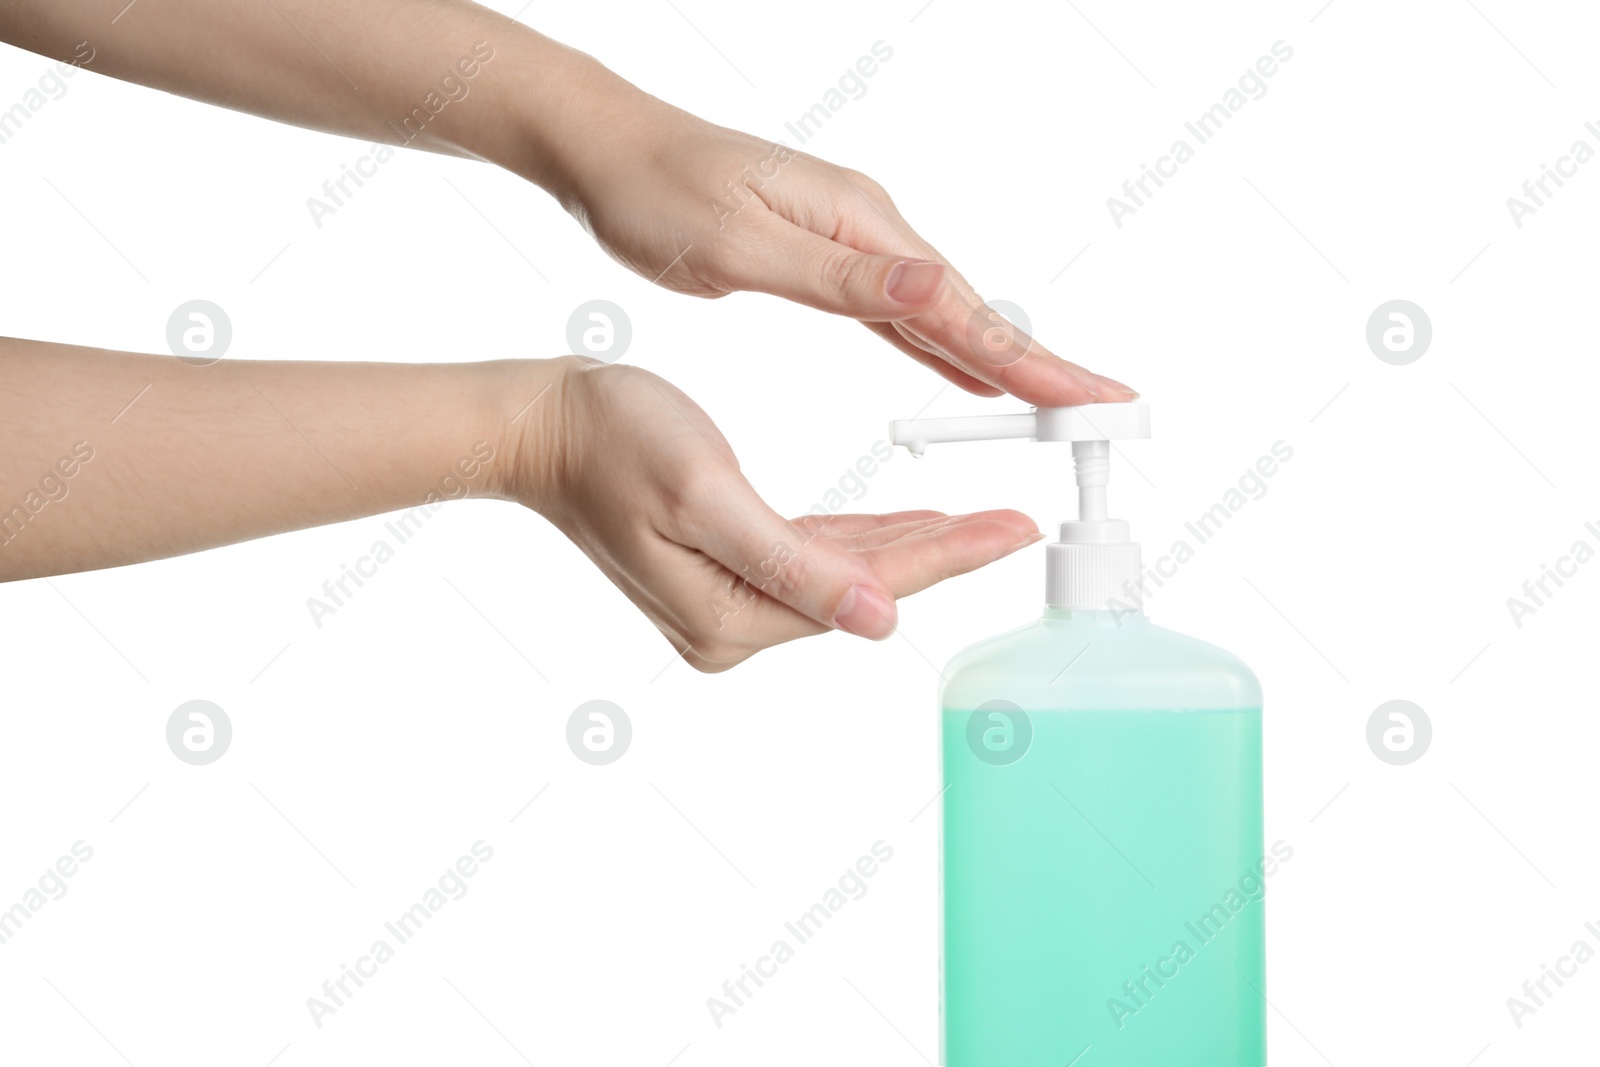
(570, 117)
(522, 419)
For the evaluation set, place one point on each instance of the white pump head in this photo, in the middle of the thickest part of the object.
(1094, 563)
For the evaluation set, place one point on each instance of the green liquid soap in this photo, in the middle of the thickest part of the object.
(1103, 864)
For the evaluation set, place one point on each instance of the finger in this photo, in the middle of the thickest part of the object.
(810, 269)
(933, 361)
(866, 540)
(870, 536)
(855, 523)
(986, 344)
(959, 327)
(921, 558)
(795, 566)
(972, 336)
(912, 557)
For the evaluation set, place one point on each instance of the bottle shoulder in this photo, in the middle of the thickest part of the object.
(1072, 665)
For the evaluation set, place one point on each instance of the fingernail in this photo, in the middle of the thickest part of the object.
(914, 281)
(865, 612)
(1114, 384)
(1031, 539)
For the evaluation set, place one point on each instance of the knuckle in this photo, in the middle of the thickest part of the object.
(781, 572)
(713, 651)
(867, 184)
(687, 496)
(811, 525)
(695, 483)
(842, 274)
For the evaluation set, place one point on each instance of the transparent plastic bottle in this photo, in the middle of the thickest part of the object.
(1103, 871)
(1103, 866)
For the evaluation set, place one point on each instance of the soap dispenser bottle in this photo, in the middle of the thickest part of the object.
(1102, 855)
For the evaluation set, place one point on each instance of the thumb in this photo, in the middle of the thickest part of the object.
(817, 272)
(796, 566)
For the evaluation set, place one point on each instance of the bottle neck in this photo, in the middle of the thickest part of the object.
(1092, 617)
(1084, 573)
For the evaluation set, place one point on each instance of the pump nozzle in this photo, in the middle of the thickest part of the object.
(1094, 561)
(1086, 422)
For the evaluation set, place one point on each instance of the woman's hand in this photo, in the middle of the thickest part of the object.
(639, 478)
(690, 205)
(704, 210)
(623, 463)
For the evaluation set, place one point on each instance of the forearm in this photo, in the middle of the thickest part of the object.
(445, 75)
(113, 458)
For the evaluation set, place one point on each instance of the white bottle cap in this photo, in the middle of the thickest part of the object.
(1093, 566)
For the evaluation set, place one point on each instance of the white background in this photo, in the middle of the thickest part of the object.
(371, 753)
